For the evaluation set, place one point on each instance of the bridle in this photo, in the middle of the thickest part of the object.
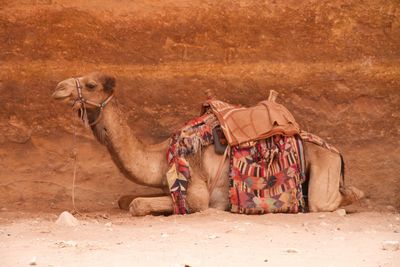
(81, 102)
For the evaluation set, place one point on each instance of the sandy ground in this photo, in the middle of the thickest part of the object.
(211, 238)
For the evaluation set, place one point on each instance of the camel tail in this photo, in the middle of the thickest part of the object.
(342, 169)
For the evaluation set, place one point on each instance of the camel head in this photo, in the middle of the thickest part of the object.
(96, 87)
(87, 94)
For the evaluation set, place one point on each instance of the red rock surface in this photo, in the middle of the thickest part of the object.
(334, 63)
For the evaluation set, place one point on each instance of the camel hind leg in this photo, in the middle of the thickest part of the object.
(324, 169)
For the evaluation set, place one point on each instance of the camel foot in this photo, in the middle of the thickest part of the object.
(125, 201)
(142, 206)
(138, 207)
(350, 194)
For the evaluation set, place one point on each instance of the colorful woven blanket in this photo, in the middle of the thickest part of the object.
(186, 142)
(266, 177)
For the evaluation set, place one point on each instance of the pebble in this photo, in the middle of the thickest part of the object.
(64, 244)
(292, 250)
(33, 261)
(321, 216)
(212, 236)
(391, 245)
(341, 212)
(324, 224)
(67, 219)
(109, 224)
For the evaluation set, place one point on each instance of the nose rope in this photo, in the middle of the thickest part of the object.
(81, 103)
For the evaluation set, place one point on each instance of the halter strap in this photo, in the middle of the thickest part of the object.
(84, 101)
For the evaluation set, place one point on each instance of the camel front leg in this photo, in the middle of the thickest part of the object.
(197, 199)
(142, 206)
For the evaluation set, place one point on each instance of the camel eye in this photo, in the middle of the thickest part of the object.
(91, 85)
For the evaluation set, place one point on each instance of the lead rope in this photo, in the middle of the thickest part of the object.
(74, 155)
(217, 176)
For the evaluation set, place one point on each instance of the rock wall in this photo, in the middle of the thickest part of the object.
(335, 65)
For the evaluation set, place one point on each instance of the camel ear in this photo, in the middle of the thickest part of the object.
(108, 82)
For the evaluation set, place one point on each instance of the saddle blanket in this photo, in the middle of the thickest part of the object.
(265, 176)
(267, 165)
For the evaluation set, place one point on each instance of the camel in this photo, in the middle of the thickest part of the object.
(132, 156)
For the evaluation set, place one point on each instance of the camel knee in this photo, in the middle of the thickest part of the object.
(198, 197)
(323, 206)
(324, 203)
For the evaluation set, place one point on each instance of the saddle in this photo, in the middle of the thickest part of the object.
(242, 125)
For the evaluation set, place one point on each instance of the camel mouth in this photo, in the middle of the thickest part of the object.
(62, 91)
(61, 94)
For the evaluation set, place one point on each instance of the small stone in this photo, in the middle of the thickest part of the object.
(341, 212)
(64, 244)
(33, 261)
(213, 237)
(266, 260)
(105, 216)
(71, 243)
(67, 219)
(109, 224)
(164, 235)
(321, 216)
(324, 224)
(292, 250)
(391, 245)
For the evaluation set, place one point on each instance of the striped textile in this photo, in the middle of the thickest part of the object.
(184, 143)
(266, 177)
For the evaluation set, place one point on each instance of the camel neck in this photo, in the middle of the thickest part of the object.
(141, 163)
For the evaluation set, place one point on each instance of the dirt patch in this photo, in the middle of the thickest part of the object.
(205, 239)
